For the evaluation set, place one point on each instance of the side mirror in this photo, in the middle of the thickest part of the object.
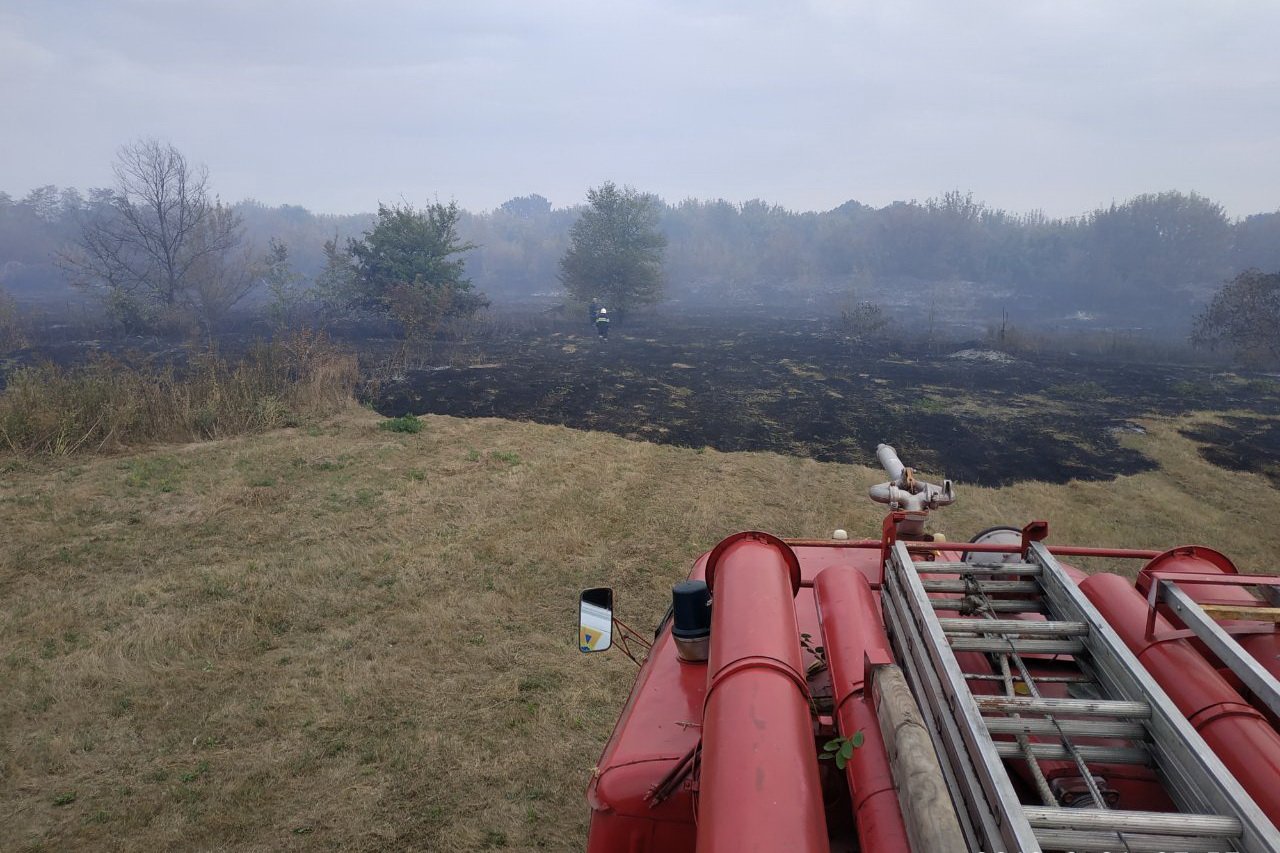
(595, 620)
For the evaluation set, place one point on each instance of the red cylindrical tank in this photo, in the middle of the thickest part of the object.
(852, 628)
(1193, 559)
(759, 786)
(1235, 730)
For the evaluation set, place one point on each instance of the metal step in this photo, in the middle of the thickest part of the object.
(1079, 841)
(1111, 820)
(1012, 569)
(1090, 754)
(1040, 679)
(1088, 728)
(1025, 627)
(1003, 587)
(996, 605)
(1077, 707)
(1020, 646)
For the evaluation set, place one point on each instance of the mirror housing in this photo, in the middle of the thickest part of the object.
(595, 620)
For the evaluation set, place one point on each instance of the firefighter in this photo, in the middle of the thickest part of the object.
(594, 310)
(602, 324)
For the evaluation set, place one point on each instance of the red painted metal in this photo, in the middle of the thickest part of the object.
(759, 778)
(1186, 558)
(721, 755)
(645, 746)
(1034, 531)
(1236, 731)
(889, 533)
(789, 557)
(852, 632)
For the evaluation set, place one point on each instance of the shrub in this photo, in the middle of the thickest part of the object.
(12, 332)
(108, 403)
(1262, 386)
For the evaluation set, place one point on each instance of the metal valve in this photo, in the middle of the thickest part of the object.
(904, 492)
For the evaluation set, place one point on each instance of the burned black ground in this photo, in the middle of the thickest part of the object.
(1241, 444)
(797, 388)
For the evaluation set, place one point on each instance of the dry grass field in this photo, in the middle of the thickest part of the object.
(340, 637)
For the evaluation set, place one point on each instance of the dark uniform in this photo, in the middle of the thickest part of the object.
(602, 324)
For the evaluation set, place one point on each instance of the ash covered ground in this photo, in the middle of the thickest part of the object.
(798, 387)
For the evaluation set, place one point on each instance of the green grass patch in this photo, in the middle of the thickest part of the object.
(929, 405)
(1086, 390)
(407, 423)
(154, 473)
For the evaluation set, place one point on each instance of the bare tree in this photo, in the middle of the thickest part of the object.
(160, 241)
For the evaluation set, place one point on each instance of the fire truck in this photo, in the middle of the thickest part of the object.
(904, 692)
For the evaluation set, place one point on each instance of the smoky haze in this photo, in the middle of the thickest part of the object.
(335, 105)
(1154, 259)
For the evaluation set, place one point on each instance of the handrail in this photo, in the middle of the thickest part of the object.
(984, 548)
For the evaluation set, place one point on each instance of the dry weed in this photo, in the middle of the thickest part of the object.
(109, 404)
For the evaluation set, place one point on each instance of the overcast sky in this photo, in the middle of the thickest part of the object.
(337, 104)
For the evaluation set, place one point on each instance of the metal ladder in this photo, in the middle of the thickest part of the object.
(1215, 811)
(1168, 589)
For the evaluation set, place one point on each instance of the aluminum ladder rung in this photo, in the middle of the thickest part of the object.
(1080, 707)
(997, 606)
(1107, 842)
(1088, 754)
(952, 585)
(1112, 820)
(1013, 569)
(1088, 728)
(1017, 645)
(1039, 679)
(1024, 627)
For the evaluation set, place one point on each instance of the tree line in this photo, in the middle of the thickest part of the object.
(1162, 253)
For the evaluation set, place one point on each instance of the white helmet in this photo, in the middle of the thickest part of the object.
(604, 310)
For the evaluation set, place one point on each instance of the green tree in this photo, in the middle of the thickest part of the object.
(1158, 245)
(335, 287)
(615, 250)
(285, 286)
(407, 268)
(1244, 317)
(526, 206)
